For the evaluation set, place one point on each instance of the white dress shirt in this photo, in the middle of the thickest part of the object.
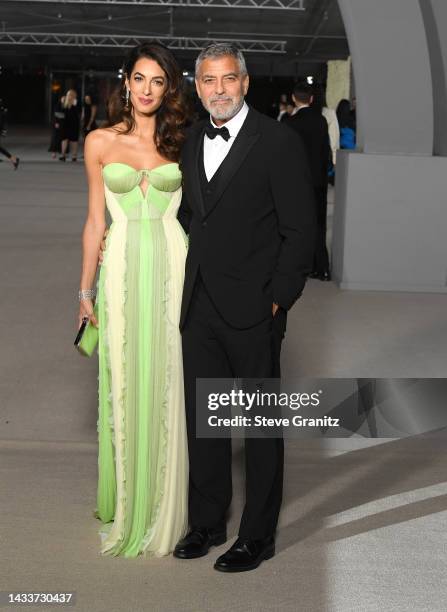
(216, 149)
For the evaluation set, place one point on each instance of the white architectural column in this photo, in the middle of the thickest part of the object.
(435, 19)
(338, 82)
(390, 215)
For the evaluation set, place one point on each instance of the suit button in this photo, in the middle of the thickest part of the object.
(209, 192)
(204, 224)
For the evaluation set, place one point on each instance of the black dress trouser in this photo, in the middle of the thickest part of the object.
(214, 349)
(321, 257)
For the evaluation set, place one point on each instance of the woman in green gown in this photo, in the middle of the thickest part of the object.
(132, 169)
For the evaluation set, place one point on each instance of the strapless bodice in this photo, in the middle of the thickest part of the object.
(122, 178)
(127, 201)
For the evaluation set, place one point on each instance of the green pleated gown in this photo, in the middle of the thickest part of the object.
(143, 460)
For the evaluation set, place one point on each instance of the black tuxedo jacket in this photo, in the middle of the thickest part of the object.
(253, 235)
(313, 129)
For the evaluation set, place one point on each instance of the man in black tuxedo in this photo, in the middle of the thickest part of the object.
(248, 209)
(310, 124)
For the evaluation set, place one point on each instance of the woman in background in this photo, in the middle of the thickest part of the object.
(346, 122)
(71, 125)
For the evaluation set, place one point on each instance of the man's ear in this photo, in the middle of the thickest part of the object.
(197, 87)
(246, 84)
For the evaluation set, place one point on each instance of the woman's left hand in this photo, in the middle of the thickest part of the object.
(86, 312)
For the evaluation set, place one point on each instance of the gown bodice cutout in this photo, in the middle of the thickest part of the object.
(124, 181)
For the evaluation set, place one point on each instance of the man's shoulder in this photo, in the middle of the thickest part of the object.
(319, 117)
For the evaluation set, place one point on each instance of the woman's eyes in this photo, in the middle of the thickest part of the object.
(158, 82)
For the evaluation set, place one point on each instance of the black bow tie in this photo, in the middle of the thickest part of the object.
(212, 132)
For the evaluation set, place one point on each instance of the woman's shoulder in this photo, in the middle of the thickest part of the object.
(102, 136)
(97, 142)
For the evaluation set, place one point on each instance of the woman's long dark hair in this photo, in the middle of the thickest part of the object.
(171, 117)
(344, 114)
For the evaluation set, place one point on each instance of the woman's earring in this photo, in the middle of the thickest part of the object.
(127, 100)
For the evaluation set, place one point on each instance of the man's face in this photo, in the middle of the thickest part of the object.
(221, 87)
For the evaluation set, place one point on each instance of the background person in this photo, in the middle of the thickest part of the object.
(346, 121)
(320, 104)
(313, 129)
(57, 125)
(3, 129)
(71, 125)
(89, 112)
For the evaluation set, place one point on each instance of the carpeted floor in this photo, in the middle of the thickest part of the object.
(363, 525)
(363, 530)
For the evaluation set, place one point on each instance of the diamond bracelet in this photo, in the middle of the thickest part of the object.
(87, 294)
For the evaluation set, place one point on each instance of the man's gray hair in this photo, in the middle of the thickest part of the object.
(216, 50)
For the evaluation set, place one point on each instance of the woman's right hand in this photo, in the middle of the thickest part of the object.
(86, 312)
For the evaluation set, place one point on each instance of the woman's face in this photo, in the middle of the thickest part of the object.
(71, 96)
(147, 84)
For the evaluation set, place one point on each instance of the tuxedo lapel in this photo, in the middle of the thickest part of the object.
(192, 159)
(246, 138)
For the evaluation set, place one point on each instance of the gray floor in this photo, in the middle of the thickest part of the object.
(362, 526)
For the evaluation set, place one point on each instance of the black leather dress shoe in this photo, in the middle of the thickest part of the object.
(246, 555)
(322, 276)
(198, 541)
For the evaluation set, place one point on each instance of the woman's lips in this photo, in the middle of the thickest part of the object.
(145, 102)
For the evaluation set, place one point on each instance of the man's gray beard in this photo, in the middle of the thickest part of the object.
(226, 114)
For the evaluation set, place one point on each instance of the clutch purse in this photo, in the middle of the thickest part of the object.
(87, 337)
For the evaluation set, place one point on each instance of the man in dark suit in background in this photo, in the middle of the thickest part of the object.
(313, 129)
(249, 211)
